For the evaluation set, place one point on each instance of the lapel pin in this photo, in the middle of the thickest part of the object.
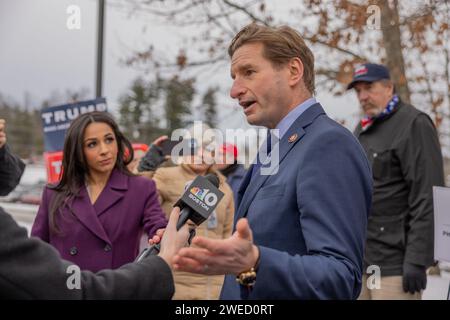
(293, 138)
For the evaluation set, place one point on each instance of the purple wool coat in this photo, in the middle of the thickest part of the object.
(106, 234)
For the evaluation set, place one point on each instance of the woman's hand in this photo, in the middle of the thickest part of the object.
(157, 237)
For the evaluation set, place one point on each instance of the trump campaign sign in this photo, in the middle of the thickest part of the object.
(55, 122)
(53, 161)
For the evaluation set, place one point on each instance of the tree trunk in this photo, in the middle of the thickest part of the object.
(390, 28)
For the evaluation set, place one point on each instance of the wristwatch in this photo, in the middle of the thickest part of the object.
(248, 278)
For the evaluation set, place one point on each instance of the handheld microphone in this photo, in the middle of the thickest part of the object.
(197, 203)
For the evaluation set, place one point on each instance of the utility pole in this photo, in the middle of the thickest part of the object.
(101, 23)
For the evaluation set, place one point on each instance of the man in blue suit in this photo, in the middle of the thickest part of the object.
(301, 223)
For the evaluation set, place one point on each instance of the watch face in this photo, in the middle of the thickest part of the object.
(247, 278)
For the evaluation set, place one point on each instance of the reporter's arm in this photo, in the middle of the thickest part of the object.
(153, 218)
(32, 269)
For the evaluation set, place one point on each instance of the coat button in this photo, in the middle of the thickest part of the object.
(382, 229)
(73, 251)
(107, 248)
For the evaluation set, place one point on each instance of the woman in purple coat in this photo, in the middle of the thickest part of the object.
(95, 215)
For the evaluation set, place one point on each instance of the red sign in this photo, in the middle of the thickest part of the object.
(140, 146)
(53, 162)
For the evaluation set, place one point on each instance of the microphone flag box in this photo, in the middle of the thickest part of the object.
(202, 197)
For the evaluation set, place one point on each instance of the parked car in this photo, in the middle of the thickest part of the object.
(30, 187)
(26, 193)
(15, 195)
(33, 195)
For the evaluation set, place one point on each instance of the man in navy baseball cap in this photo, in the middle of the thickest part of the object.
(369, 72)
(403, 148)
(374, 90)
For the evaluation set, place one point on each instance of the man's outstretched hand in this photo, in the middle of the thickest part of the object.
(214, 257)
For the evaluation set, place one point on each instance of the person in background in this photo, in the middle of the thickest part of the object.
(230, 168)
(12, 166)
(96, 213)
(138, 154)
(171, 183)
(403, 148)
(32, 269)
(2, 133)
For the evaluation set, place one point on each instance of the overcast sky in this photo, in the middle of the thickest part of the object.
(39, 54)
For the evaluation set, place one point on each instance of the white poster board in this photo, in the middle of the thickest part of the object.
(441, 200)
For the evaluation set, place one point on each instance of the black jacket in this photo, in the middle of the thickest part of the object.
(32, 269)
(406, 160)
(11, 169)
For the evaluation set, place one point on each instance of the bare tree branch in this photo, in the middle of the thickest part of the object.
(233, 27)
(246, 11)
(312, 39)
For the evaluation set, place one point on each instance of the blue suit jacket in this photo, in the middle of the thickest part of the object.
(235, 179)
(309, 218)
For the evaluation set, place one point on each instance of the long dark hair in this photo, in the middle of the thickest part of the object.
(74, 163)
